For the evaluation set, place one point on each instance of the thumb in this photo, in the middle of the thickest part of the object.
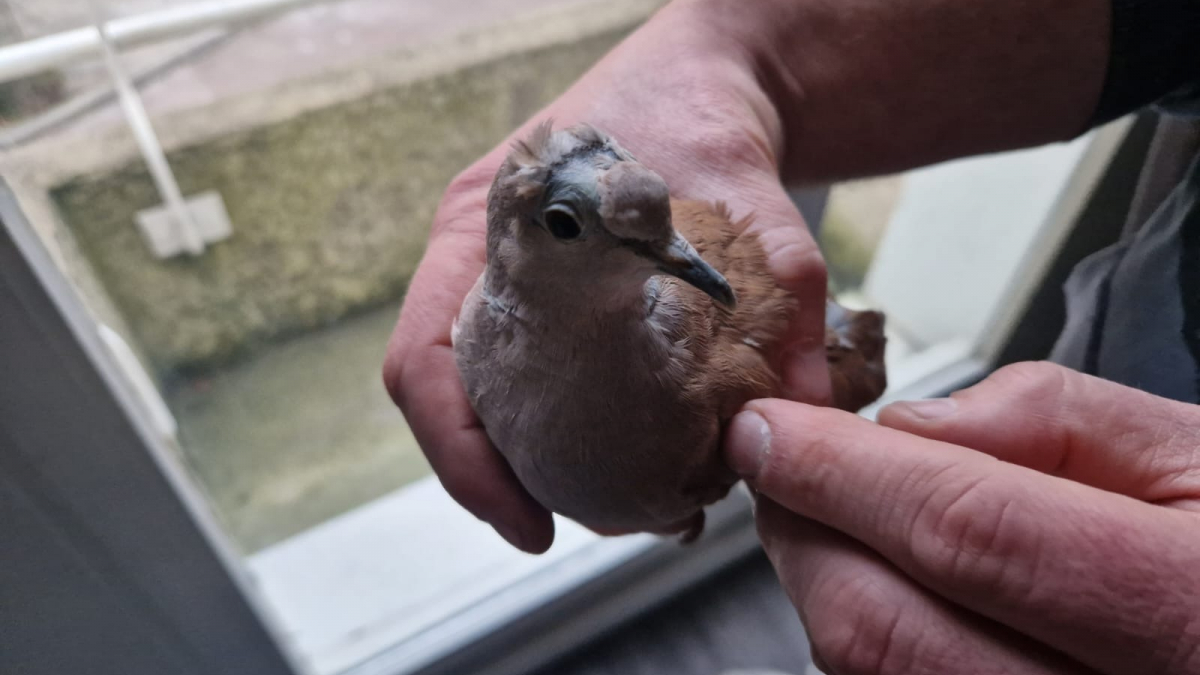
(1067, 424)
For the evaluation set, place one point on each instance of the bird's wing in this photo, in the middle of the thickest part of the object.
(742, 343)
(746, 341)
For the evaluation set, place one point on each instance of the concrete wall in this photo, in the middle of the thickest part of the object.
(330, 207)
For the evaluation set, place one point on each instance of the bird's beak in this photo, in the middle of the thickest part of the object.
(679, 259)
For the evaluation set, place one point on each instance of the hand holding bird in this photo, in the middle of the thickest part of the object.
(712, 134)
(603, 351)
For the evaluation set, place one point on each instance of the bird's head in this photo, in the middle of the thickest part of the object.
(573, 206)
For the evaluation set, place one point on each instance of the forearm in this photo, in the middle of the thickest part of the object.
(872, 86)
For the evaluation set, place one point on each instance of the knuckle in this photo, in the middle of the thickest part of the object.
(398, 378)
(395, 363)
(406, 373)
(1034, 382)
(796, 261)
(399, 363)
(858, 627)
(809, 266)
(967, 536)
(393, 375)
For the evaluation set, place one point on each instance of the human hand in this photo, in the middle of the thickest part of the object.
(685, 99)
(908, 548)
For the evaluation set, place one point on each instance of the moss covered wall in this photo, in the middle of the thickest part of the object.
(330, 209)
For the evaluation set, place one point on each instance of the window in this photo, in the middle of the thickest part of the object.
(308, 145)
(966, 245)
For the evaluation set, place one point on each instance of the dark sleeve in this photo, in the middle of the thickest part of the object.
(1155, 52)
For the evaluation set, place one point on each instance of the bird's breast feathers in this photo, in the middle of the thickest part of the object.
(508, 357)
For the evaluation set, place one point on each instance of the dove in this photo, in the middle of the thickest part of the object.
(614, 330)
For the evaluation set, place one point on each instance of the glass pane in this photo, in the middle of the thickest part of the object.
(949, 251)
(313, 146)
(325, 136)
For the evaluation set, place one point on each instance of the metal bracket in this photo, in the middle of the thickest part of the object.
(206, 212)
(172, 228)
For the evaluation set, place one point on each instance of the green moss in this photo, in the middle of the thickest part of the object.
(330, 209)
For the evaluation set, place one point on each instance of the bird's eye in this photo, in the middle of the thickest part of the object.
(562, 223)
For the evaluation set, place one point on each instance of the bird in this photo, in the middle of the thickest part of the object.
(615, 330)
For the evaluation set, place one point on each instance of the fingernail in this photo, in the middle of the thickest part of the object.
(931, 409)
(748, 443)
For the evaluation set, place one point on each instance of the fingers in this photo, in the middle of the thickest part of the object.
(797, 265)
(1064, 423)
(421, 375)
(863, 616)
(1019, 547)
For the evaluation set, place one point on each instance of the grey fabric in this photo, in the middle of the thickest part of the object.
(1086, 292)
(1176, 143)
(1132, 309)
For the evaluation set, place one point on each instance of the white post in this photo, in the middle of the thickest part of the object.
(152, 151)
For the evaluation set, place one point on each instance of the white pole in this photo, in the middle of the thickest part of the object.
(152, 151)
(54, 51)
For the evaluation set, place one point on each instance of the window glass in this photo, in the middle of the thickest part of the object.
(317, 142)
(310, 147)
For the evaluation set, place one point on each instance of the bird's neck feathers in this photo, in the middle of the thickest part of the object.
(566, 297)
